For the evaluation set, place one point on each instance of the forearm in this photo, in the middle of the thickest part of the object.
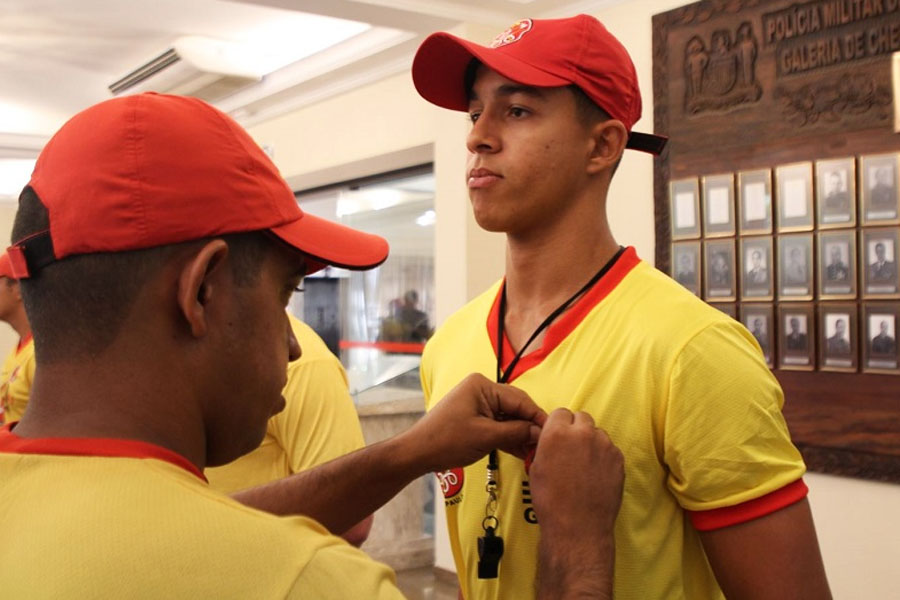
(570, 571)
(341, 493)
(359, 533)
(461, 429)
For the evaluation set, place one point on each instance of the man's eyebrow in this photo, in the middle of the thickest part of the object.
(509, 89)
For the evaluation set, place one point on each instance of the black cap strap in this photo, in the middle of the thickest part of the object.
(646, 142)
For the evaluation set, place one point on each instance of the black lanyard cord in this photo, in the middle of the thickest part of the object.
(490, 545)
(503, 376)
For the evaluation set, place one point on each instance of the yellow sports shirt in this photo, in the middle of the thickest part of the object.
(100, 519)
(319, 422)
(15, 381)
(681, 389)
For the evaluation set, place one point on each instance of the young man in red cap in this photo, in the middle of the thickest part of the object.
(156, 247)
(18, 368)
(714, 502)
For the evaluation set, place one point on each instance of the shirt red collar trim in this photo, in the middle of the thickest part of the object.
(23, 342)
(567, 322)
(13, 444)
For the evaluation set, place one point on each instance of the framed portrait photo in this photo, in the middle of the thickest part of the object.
(838, 337)
(879, 189)
(794, 197)
(878, 251)
(837, 265)
(757, 281)
(836, 193)
(718, 205)
(686, 265)
(796, 337)
(880, 321)
(755, 201)
(795, 266)
(719, 279)
(684, 205)
(760, 321)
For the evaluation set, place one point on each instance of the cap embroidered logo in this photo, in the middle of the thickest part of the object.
(513, 34)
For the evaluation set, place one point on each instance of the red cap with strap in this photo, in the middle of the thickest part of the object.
(151, 169)
(541, 53)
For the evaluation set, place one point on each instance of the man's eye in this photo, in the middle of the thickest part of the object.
(473, 116)
(517, 111)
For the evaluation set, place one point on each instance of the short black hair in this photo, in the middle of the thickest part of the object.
(77, 305)
(588, 111)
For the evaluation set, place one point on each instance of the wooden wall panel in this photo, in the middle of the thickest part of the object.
(745, 84)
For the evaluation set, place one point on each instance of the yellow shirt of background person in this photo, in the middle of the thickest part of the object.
(15, 380)
(18, 367)
(319, 422)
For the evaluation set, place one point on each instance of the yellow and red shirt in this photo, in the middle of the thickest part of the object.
(682, 390)
(16, 378)
(104, 518)
(319, 422)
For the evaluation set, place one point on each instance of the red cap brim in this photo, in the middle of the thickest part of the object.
(329, 243)
(439, 69)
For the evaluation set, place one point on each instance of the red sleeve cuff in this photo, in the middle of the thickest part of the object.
(717, 518)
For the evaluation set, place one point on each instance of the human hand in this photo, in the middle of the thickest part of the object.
(576, 487)
(475, 417)
(576, 477)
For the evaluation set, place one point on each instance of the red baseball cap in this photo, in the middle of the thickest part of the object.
(540, 53)
(151, 169)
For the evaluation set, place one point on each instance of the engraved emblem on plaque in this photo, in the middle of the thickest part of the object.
(724, 76)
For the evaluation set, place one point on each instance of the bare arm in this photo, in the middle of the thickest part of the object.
(359, 533)
(775, 556)
(577, 478)
(461, 429)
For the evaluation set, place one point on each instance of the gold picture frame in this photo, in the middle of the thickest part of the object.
(838, 337)
(794, 197)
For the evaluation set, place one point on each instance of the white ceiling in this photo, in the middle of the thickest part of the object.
(58, 56)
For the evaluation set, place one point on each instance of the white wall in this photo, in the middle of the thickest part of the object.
(858, 521)
(859, 531)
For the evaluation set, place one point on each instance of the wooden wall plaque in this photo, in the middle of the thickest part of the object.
(747, 85)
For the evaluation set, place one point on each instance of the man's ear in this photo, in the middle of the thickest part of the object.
(609, 139)
(197, 284)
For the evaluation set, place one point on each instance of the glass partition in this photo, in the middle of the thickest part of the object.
(377, 321)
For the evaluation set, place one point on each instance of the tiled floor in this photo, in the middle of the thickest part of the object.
(421, 584)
